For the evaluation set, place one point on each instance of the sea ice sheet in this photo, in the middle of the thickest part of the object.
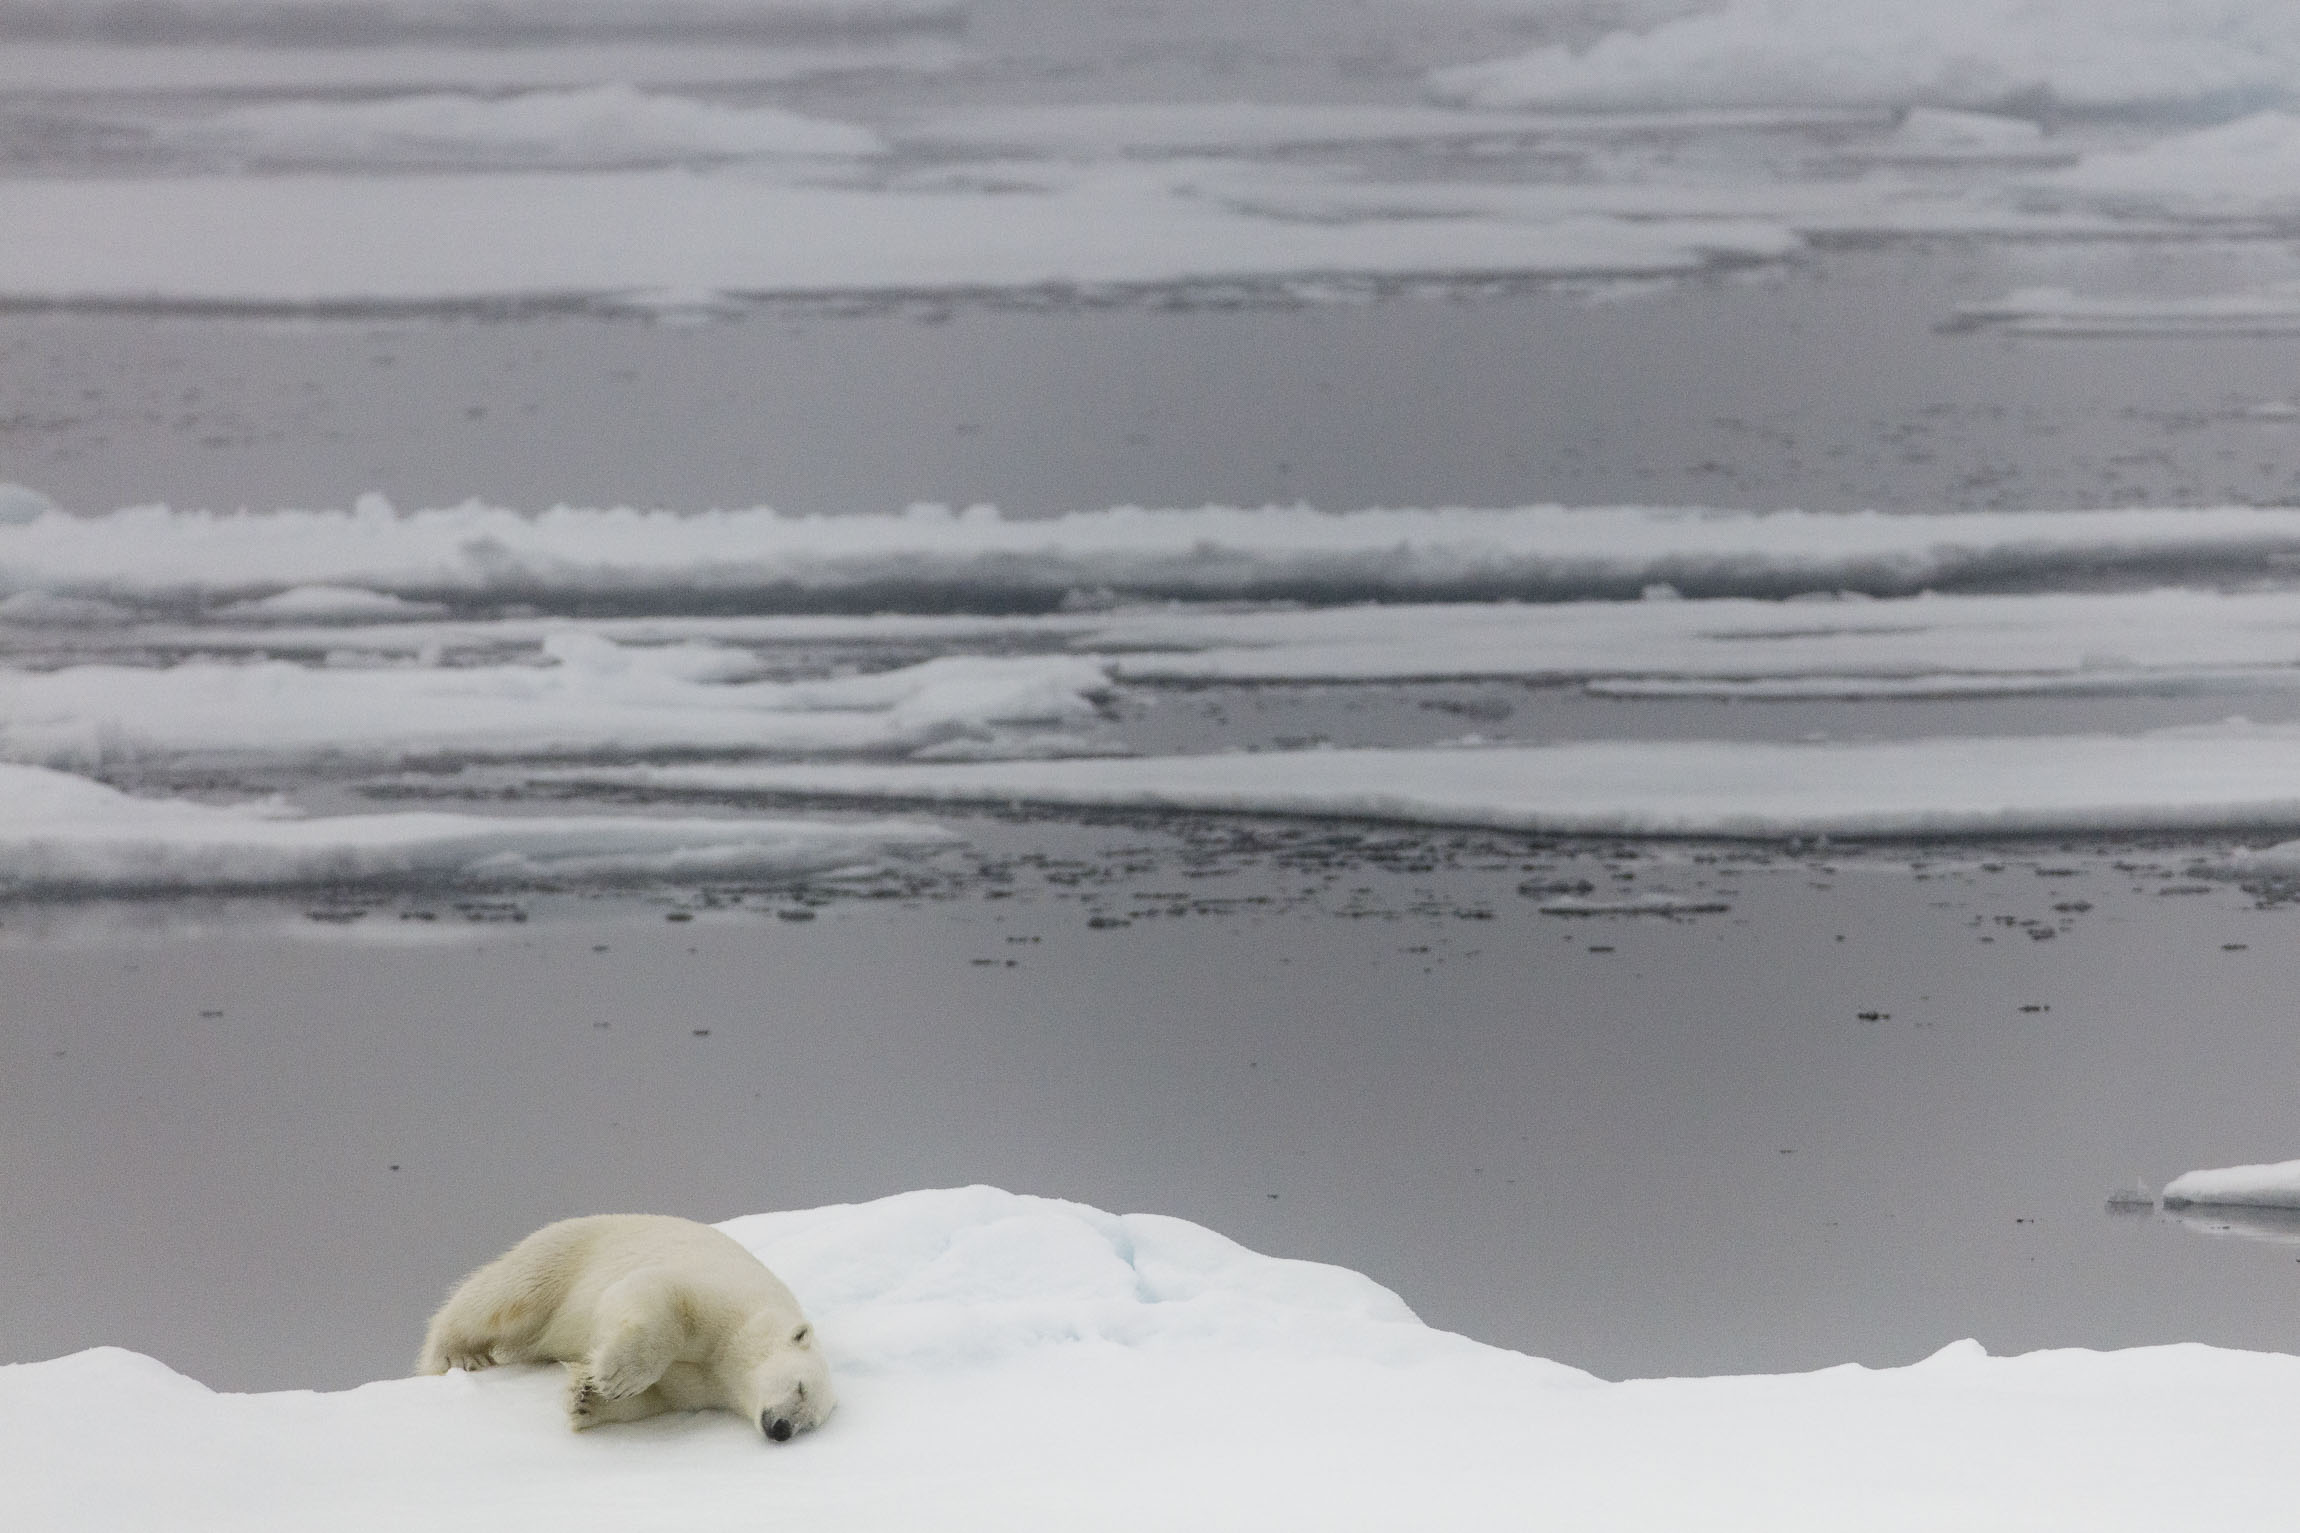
(66, 835)
(590, 696)
(2230, 778)
(977, 560)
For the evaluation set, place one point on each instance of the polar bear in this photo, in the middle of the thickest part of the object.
(650, 1314)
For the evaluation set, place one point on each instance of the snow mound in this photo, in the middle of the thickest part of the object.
(1985, 55)
(2269, 1186)
(1013, 1362)
(605, 125)
(934, 559)
(2226, 778)
(591, 697)
(61, 834)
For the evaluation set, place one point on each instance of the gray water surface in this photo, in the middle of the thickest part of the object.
(1824, 1125)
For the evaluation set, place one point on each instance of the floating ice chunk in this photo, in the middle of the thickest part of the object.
(1010, 1362)
(61, 834)
(324, 603)
(2275, 1185)
(2056, 311)
(1987, 55)
(594, 697)
(2249, 168)
(1224, 127)
(2232, 778)
(603, 125)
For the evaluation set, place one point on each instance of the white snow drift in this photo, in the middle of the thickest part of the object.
(2225, 778)
(66, 835)
(1009, 1362)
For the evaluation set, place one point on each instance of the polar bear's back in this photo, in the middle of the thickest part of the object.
(575, 1259)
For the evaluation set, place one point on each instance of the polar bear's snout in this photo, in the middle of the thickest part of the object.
(777, 1428)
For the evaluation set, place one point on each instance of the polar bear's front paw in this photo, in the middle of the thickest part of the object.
(586, 1407)
(471, 1362)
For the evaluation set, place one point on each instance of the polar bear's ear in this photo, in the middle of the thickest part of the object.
(802, 1335)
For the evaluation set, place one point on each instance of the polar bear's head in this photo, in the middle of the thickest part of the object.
(780, 1376)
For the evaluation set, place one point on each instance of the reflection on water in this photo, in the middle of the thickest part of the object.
(2277, 1226)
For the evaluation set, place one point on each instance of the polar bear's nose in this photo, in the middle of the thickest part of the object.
(777, 1428)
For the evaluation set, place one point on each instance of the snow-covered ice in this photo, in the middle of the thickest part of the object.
(589, 696)
(978, 560)
(2067, 55)
(61, 834)
(2268, 1186)
(2229, 778)
(1018, 1362)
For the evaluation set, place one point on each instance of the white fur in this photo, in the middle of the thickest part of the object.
(650, 1314)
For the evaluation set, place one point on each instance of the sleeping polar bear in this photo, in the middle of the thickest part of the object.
(650, 1314)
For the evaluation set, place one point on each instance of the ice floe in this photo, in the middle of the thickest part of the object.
(62, 835)
(367, 22)
(588, 696)
(2233, 778)
(1987, 55)
(599, 126)
(1945, 646)
(2058, 311)
(2246, 169)
(2268, 1186)
(95, 70)
(1016, 1362)
(318, 243)
(936, 559)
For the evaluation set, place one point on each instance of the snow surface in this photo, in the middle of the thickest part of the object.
(1010, 1362)
(1986, 55)
(2269, 1186)
(590, 696)
(2233, 777)
(979, 559)
(61, 834)
(601, 125)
